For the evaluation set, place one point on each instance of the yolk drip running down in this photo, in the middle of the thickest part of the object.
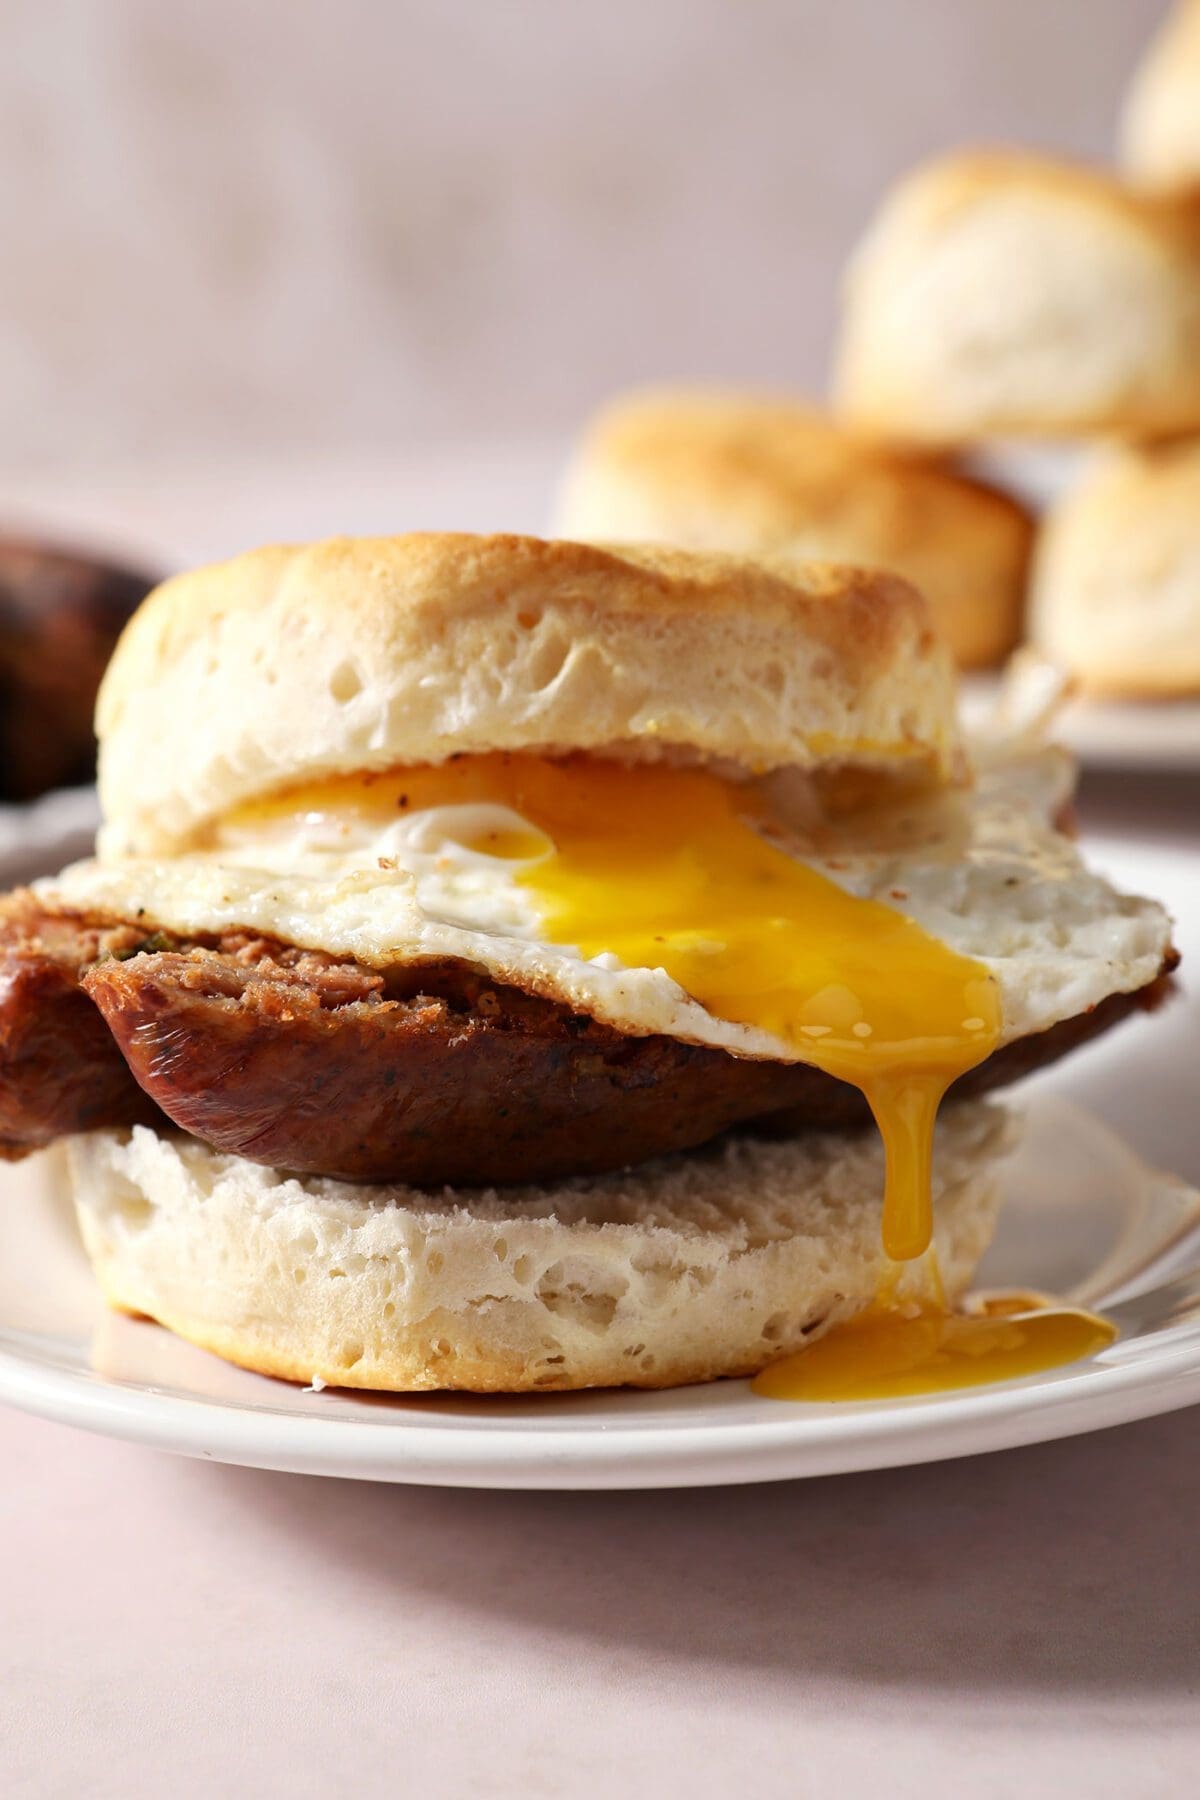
(661, 868)
(671, 868)
(664, 868)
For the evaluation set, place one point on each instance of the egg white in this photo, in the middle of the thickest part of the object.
(984, 870)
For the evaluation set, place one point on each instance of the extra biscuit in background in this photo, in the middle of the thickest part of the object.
(1117, 580)
(1160, 126)
(762, 476)
(1000, 294)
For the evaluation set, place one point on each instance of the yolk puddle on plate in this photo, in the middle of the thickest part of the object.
(662, 867)
(885, 1353)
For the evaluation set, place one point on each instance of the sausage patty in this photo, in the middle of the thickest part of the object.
(60, 1070)
(426, 1074)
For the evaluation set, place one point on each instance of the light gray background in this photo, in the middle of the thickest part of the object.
(334, 226)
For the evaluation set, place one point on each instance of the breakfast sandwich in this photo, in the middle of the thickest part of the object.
(512, 964)
(773, 477)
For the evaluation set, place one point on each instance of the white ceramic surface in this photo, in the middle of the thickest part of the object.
(1108, 734)
(59, 825)
(1038, 472)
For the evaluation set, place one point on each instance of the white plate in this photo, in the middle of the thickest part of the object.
(47, 832)
(1107, 734)
(1038, 473)
(1082, 1216)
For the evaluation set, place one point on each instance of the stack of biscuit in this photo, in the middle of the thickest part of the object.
(996, 296)
(1007, 295)
(773, 477)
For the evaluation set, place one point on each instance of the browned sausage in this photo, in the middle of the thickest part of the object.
(60, 615)
(430, 1075)
(60, 1070)
(319, 1067)
(464, 1083)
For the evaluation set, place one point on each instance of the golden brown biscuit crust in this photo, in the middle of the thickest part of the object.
(291, 663)
(769, 476)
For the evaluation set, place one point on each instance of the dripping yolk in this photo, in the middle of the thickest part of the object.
(668, 868)
(663, 868)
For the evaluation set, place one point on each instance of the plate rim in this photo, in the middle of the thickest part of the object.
(1007, 1415)
(1099, 732)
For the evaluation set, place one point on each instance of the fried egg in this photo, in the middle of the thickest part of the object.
(893, 942)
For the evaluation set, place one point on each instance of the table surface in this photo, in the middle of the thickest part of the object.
(1023, 1622)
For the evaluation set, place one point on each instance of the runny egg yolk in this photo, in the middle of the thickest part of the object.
(663, 867)
(666, 867)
